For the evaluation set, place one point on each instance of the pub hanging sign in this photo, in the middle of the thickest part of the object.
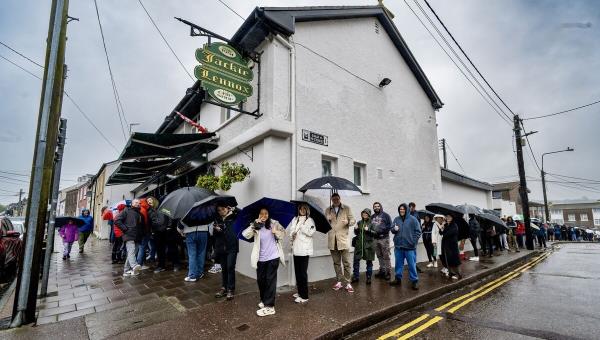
(224, 74)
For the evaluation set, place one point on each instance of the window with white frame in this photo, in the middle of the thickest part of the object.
(583, 217)
(571, 217)
(497, 194)
(228, 113)
(597, 221)
(327, 167)
(360, 174)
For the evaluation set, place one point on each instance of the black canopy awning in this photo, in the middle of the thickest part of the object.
(151, 145)
(137, 171)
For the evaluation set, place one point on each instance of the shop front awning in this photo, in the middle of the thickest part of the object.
(137, 171)
(151, 145)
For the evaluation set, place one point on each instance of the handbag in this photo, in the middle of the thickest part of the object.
(492, 231)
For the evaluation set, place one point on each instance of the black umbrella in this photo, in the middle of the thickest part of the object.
(449, 209)
(62, 220)
(179, 202)
(469, 209)
(423, 213)
(205, 211)
(445, 209)
(331, 184)
(321, 223)
(493, 219)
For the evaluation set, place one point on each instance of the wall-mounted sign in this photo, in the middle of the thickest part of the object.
(224, 73)
(314, 137)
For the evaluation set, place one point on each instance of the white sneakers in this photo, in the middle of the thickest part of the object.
(435, 264)
(474, 258)
(430, 265)
(261, 305)
(136, 269)
(127, 273)
(190, 279)
(349, 288)
(445, 271)
(300, 300)
(296, 295)
(265, 311)
(215, 269)
(145, 267)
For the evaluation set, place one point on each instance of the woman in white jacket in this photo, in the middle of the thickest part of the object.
(301, 230)
(266, 255)
(436, 237)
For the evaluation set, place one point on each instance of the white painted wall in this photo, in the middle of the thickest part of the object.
(507, 208)
(112, 194)
(393, 128)
(455, 193)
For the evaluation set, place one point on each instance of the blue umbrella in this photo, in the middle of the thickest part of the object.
(282, 211)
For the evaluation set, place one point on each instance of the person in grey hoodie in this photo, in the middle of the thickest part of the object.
(406, 230)
(382, 223)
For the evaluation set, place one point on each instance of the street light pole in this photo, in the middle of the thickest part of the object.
(547, 210)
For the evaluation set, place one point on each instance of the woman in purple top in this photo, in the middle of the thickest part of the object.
(267, 253)
(69, 233)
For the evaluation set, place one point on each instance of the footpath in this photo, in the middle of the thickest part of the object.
(89, 300)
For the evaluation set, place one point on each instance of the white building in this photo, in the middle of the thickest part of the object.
(321, 70)
(460, 189)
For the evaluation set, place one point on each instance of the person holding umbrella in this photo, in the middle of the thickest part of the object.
(450, 251)
(407, 231)
(226, 248)
(301, 230)
(266, 255)
(474, 231)
(69, 234)
(341, 219)
(363, 242)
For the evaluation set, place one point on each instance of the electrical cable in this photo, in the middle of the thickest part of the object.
(72, 101)
(231, 9)
(165, 40)
(469, 59)
(455, 64)
(561, 112)
(19, 53)
(571, 177)
(455, 158)
(115, 91)
(459, 58)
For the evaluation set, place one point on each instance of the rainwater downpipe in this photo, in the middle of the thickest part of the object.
(294, 145)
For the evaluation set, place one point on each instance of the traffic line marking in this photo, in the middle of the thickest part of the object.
(421, 328)
(403, 327)
(466, 299)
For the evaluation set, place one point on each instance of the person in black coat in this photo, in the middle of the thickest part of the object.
(226, 248)
(130, 223)
(450, 252)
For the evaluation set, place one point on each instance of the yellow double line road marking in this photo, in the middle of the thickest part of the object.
(464, 300)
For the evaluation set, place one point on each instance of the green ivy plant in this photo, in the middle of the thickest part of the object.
(230, 173)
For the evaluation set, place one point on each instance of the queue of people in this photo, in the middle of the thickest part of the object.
(139, 227)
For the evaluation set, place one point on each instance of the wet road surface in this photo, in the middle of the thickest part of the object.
(554, 296)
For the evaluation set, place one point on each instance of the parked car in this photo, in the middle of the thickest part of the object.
(11, 247)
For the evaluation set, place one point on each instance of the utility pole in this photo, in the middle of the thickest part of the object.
(42, 165)
(523, 183)
(444, 153)
(55, 185)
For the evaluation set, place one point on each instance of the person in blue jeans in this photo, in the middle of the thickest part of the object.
(196, 239)
(407, 231)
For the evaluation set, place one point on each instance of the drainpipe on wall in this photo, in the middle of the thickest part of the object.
(294, 145)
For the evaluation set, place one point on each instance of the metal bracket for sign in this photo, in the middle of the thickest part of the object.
(197, 31)
(245, 152)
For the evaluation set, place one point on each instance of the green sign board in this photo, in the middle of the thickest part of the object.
(224, 73)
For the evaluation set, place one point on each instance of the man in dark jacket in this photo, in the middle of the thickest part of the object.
(474, 231)
(226, 249)
(130, 221)
(86, 229)
(382, 223)
(407, 231)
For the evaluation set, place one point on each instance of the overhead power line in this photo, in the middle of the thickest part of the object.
(13, 173)
(561, 112)
(165, 40)
(231, 9)
(120, 111)
(72, 101)
(467, 56)
(499, 113)
(455, 158)
(13, 179)
(571, 177)
(19, 53)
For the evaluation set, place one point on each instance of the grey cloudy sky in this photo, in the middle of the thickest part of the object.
(542, 57)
